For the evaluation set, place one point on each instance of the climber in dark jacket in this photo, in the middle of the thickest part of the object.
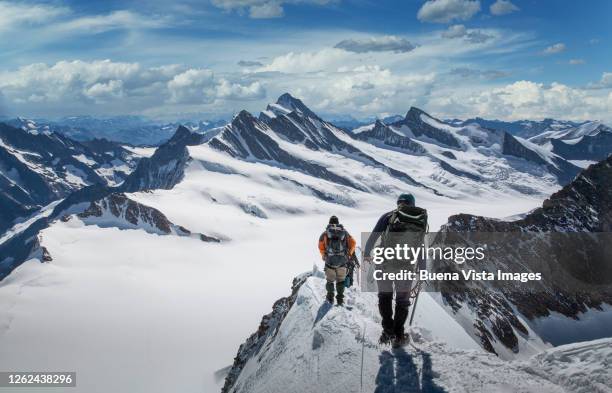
(393, 323)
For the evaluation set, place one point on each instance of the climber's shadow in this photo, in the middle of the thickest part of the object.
(325, 307)
(399, 374)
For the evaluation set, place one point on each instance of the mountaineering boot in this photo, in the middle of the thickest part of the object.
(400, 341)
(385, 307)
(330, 292)
(401, 314)
(386, 337)
(340, 291)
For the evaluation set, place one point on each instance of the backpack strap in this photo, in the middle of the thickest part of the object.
(384, 235)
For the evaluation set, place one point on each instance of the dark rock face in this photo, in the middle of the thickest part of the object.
(245, 138)
(564, 170)
(419, 127)
(583, 206)
(133, 212)
(383, 134)
(165, 168)
(522, 128)
(37, 168)
(267, 330)
(590, 147)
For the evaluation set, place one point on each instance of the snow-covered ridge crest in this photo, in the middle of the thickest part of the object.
(306, 345)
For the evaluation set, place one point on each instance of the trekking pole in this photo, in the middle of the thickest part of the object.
(416, 298)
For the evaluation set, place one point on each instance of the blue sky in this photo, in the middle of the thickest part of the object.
(507, 59)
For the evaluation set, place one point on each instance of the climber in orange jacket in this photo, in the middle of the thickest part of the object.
(336, 246)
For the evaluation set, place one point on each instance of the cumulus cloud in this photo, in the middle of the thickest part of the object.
(554, 49)
(387, 43)
(73, 86)
(502, 7)
(262, 9)
(604, 83)
(301, 62)
(445, 11)
(240, 92)
(525, 100)
(192, 85)
(472, 36)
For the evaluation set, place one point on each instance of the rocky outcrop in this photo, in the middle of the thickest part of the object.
(567, 250)
(414, 121)
(38, 167)
(268, 328)
(165, 168)
(120, 211)
(383, 134)
(561, 168)
(247, 138)
(595, 147)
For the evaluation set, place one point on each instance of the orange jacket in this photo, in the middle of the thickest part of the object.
(352, 244)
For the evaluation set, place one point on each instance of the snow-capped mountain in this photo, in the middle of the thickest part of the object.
(131, 130)
(38, 167)
(522, 128)
(468, 150)
(419, 152)
(506, 317)
(591, 141)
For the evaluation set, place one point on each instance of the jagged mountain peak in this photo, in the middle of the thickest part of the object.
(414, 113)
(244, 120)
(243, 115)
(293, 104)
(180, 133)
(379, 123)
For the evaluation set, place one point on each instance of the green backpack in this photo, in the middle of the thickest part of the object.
(407, 225)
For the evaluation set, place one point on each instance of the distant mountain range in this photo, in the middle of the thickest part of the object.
(132, 130)
(39, 164)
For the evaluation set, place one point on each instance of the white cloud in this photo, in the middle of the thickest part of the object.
(102, 91)
(524, 100)
(301, 62)
(604, 83)
(192, 85)
(112, 87)
(554, 49)
(576, 61)
(261, 9)
(236, 91)
(455, 31)
(503, 7)
(445, 11)
(386, 43)
(14, 15)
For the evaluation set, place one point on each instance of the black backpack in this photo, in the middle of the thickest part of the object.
(407, 225)
(336, 249)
